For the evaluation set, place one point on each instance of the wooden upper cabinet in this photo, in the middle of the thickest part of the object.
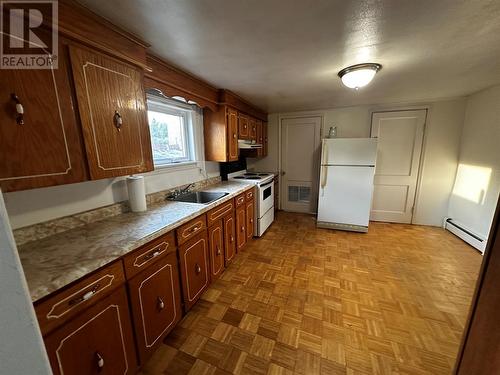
(221, 134)
(216, 243)
(156, 303)
(99, 341)
(112, 110)
(243, 126)
(232, 134)
(253, 129)
(265, 140)
(43, 147)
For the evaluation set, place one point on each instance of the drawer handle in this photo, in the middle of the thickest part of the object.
(242, 229)
(231, 239)
(251, 221)
(194, 229)
(85, 296)
(197, 269)
(19, 109)
(244, 126)
(99, 360)
(234, 135)
(117, 120)
(218, 251)
(152, 255)
(160, 304)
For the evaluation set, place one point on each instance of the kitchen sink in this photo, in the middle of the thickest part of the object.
(203, 197)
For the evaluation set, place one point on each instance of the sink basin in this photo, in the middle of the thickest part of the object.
(203, 197)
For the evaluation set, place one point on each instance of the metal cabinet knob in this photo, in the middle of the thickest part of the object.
(99, 360)
(19, 109)
(217, 252)
(197, 269)
(160, 304)
(117, 120)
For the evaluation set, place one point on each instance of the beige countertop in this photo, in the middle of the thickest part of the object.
(56, 261)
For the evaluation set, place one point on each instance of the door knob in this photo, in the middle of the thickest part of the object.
(283, 173)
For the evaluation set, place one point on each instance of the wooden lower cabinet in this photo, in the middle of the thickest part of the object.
(241, 221)
(216, 244)
(195, 274)
(250, 211)
(156, 304)
(229, 238)
(97, 342)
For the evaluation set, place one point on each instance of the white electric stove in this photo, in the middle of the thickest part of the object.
(264, 213)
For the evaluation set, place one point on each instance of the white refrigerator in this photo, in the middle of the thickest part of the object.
(346, 183)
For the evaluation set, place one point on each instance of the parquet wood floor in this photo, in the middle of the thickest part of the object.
(303, 300)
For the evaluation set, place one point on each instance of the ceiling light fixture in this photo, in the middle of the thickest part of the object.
(356, 76)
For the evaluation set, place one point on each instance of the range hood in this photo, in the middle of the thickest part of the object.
(248, 145)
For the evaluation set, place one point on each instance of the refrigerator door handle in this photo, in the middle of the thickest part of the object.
(325, 153)
(323, 178)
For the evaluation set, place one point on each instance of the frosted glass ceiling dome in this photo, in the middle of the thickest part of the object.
(356, 76)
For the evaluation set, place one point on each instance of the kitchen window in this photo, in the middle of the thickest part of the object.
(172, 129)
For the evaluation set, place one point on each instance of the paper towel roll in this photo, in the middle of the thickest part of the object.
(136, 193)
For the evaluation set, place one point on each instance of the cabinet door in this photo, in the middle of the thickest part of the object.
(229, 239)
(253, 129)
(265, 139)
(156, 303)
(45, 149)
(241, 221)
(216, 243)
(113, 114)
(194, 268)
(250, 211)
(99, 341)
(243, 127)
(232, 134)
(259, 138)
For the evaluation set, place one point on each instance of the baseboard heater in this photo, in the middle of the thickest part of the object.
(465, 234)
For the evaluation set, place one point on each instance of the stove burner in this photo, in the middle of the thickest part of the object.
(240, 177)
(250, 174)
(253, 178)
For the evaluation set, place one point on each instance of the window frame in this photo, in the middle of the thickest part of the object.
(174, 107)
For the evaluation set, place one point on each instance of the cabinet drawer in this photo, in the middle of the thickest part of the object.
(61, 307)
(219, 212)
(148, 254)
(156, 303)
(195, 275)
(191, 229)
(249, 194)
(240, 200)
(98, 341)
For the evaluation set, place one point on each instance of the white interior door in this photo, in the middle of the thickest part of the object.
(300, 148)
(400, 136)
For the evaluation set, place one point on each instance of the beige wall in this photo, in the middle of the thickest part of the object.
(441, 148)
(479, 151)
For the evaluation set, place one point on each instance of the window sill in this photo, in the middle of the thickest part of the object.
(175, 167)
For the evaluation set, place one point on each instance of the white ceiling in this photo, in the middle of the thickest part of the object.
(283, 55)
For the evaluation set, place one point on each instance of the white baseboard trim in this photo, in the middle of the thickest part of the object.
(466, 234)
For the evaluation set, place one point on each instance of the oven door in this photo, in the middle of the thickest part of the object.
(266, 198)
